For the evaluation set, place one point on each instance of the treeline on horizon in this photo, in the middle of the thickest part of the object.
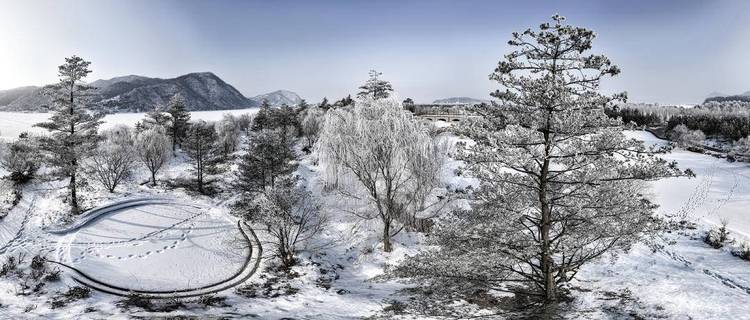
(723, 120)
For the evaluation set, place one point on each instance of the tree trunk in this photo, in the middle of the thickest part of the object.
(153, 178)
(387, 237)
(547, 262)
(73, 198)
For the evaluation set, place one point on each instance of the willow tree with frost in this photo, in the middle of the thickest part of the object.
(378, 153)
(560, 183)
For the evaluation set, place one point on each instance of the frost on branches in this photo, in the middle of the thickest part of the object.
(378, 153)
(560, 183)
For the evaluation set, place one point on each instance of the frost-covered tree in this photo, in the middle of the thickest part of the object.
(375, 87)
(245, 120)
(262, 119)
(152, 147)
(228, 131)
(286, 120)
(290, 214)
(379, 152)
(179, 120)
(311, 125)
(344, 102)
(20, 158)
(324, 104)
(73, 128)
(114, 158)
(155, 118)
(268, 157)
(560, 184)
(686, 138)
(409, 104)
(741, 148)
(201, 146)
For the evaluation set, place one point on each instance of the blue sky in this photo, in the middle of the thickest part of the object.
(670, 51)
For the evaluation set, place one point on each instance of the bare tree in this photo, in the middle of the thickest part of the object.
(113, 160)
(686, 138)
(153, 149)
(290, 215)
(228, 131)
(311, 125)
(377, 152)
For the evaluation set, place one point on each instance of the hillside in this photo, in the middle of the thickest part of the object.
(133, 93)
(718, 97)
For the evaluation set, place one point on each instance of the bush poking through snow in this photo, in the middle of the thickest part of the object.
(275, 284)
(136, 300)
(213, 301)
(743, 251)
(21, 158)
(717, 237)
(10, 265)
(73, 294)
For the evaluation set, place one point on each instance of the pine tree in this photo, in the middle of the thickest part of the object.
(73, 129)
(204, 152)
(262, 119)
(560, 182)
(180, 119)
(268, 157)
(324, 104)
(155, 118)
(375, 87)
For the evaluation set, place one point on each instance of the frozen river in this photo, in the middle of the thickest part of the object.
(13, 123)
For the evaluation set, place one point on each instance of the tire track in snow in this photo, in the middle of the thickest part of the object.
(725, 280)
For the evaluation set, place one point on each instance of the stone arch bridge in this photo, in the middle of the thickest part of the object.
(446, 117)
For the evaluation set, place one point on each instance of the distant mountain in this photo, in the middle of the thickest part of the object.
(279, 97)
(8, 96)
(202, 91)
(715, 96)
(459, 100)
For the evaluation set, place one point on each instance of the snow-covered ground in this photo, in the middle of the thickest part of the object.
(13, 123)
(162, 247)
(158, 247)
(686, 278)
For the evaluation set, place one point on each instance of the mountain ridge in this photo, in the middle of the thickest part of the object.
(135, 93)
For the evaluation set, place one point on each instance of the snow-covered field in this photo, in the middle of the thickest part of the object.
(13, 123)
(686, 278)
(158, 247)
(193, 243)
